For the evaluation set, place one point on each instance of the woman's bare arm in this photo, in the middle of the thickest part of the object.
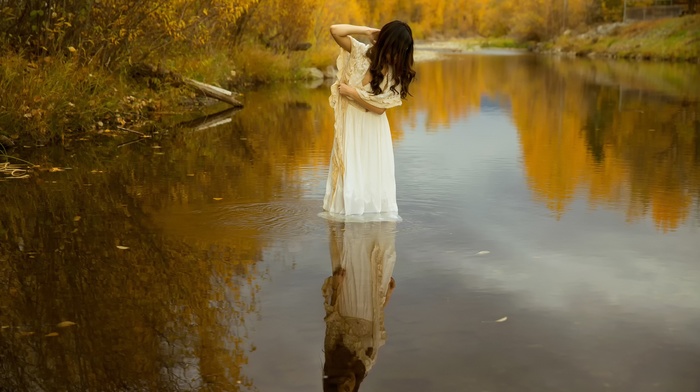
(341, 33)
(351, 92)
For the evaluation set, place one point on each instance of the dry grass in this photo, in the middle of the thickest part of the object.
(675, 39)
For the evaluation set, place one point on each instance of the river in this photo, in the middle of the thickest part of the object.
(549, 241)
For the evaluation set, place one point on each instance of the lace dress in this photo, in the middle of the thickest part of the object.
(361, 174)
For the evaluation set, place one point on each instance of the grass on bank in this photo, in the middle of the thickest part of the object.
(663, 39)
(45, 100)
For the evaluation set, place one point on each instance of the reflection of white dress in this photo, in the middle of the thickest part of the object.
(367, 253)
(361, 176)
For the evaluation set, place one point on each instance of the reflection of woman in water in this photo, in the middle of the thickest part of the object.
(363, 257)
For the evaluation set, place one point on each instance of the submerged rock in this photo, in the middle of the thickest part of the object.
(330, 72)
(6, 141)
(311, 73)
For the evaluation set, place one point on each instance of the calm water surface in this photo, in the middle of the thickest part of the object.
(550, 241)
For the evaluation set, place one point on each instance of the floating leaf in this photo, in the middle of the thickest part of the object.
(64, 324)
(48, 335)
(26, 333)
(77, 218)
(55, 169)
(218, 198)
(502, 320)
(71, 49)
(5, 327)
(122, 247)
(483, 252)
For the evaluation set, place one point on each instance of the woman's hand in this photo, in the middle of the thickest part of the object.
(351, 93)
(347, 91)
(373, 34)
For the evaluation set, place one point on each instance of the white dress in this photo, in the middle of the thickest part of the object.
(361, 175)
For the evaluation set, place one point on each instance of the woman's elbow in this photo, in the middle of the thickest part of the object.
(333, 29)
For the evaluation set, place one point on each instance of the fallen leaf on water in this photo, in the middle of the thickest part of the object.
(48, 335)
(190, 174)
(218, 198)
(55, 169)
(26, 333)
(77, 218)
(502, 320)
(155, 147)
(64, 324)
(5, 327)
(122, 247)
(483, 252)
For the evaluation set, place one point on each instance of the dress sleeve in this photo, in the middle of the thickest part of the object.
(346, 63)
(358, 48)
(386, 99)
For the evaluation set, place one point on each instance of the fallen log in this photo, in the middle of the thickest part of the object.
(213, 92)
(152, 71)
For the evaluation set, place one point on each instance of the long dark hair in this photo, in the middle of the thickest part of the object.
(343, 371)
(394, 48)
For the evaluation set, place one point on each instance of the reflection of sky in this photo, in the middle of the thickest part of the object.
(489, 104)
(473, 173)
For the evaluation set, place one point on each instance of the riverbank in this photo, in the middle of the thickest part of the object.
(431, 50)
(672, 39)
(48, 100)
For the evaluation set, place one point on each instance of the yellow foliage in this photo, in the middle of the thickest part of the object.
(109, 32)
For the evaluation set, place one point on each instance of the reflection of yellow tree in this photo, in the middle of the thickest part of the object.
(447, 91)
(166, 313)
(632, 147)
(146, 315)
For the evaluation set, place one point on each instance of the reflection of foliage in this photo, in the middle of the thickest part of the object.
(627, 145)
(144, 315)
(626, 132)
(168, 309)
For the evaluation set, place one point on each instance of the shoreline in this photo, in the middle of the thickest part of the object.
(662, 40)
(48, 118)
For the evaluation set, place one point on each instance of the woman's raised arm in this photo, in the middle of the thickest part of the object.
(341, 33)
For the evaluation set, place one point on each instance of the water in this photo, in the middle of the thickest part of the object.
(549, 241)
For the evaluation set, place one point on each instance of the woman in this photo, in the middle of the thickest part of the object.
(371, 79)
